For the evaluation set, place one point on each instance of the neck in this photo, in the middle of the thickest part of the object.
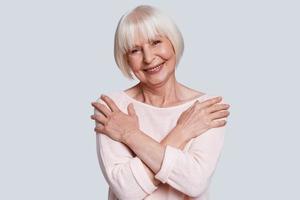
(161, 96)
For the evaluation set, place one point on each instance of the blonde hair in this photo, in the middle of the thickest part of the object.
(147, 22)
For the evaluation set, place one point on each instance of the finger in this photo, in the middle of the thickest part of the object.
(209, 102)
(218, 123)
(101, 108)
(99, 118)
(195, 103)
(99, 128)
(217, 107)
(219, 114)
(111, 104)
(131, 110)
(193, 106)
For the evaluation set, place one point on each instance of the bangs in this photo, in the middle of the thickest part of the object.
(142, 28)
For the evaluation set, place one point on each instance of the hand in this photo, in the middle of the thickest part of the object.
(202, 116)
(112, 121)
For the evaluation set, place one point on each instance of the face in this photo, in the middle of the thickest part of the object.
(152, 62)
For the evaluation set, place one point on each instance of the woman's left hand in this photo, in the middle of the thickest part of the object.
(112, 121)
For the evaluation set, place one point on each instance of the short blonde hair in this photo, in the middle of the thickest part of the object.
(147, 22)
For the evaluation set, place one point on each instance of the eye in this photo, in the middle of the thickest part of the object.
(133, 51)
(155, 42)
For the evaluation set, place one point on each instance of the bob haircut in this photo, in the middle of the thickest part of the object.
(146, 22)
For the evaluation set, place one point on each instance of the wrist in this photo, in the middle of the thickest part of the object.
(176, 138)
(128, 135)
(179, 132)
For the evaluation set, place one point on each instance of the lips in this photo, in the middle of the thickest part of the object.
(154, 69)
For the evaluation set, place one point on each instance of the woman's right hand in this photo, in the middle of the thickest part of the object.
(202, 116)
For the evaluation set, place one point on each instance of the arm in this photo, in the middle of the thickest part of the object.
(188, 172)
(120, 126)
(189, 125)
(175, 139)
(127, 175)
(117, 163)
(124, 173)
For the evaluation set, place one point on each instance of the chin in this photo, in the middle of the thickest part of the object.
(159, 81)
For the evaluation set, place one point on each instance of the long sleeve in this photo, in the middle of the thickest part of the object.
(190, 172)
(124, 173)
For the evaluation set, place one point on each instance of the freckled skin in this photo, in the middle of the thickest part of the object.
(148, 54)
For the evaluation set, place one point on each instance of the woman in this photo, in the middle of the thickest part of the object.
(151, 142)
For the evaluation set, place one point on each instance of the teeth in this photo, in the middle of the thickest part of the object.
(154, 69)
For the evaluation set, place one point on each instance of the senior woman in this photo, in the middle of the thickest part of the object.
(158, 139)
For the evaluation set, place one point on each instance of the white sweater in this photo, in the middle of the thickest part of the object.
(185, 174)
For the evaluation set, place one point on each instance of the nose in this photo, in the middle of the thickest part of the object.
(148, 55)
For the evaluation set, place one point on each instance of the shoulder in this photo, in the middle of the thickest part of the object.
(203, 96)
(190, 93)
(187, 94)
(116, 96)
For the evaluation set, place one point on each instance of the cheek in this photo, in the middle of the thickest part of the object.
(134, 63)
(167, 53)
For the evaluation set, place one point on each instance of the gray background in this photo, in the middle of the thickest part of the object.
(56, 58)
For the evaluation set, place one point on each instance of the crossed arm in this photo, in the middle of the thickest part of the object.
(152, 153)
(155, 157)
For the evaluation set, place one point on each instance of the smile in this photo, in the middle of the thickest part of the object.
(154, 69)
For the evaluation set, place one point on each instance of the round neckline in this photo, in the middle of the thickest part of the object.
(162, 108)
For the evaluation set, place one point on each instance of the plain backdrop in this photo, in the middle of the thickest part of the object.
(56, 57)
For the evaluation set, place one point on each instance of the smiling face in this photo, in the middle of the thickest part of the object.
(146, 28)
(152, 62)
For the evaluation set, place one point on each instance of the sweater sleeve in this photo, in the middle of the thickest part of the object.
(124, 173)
(190, 172)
